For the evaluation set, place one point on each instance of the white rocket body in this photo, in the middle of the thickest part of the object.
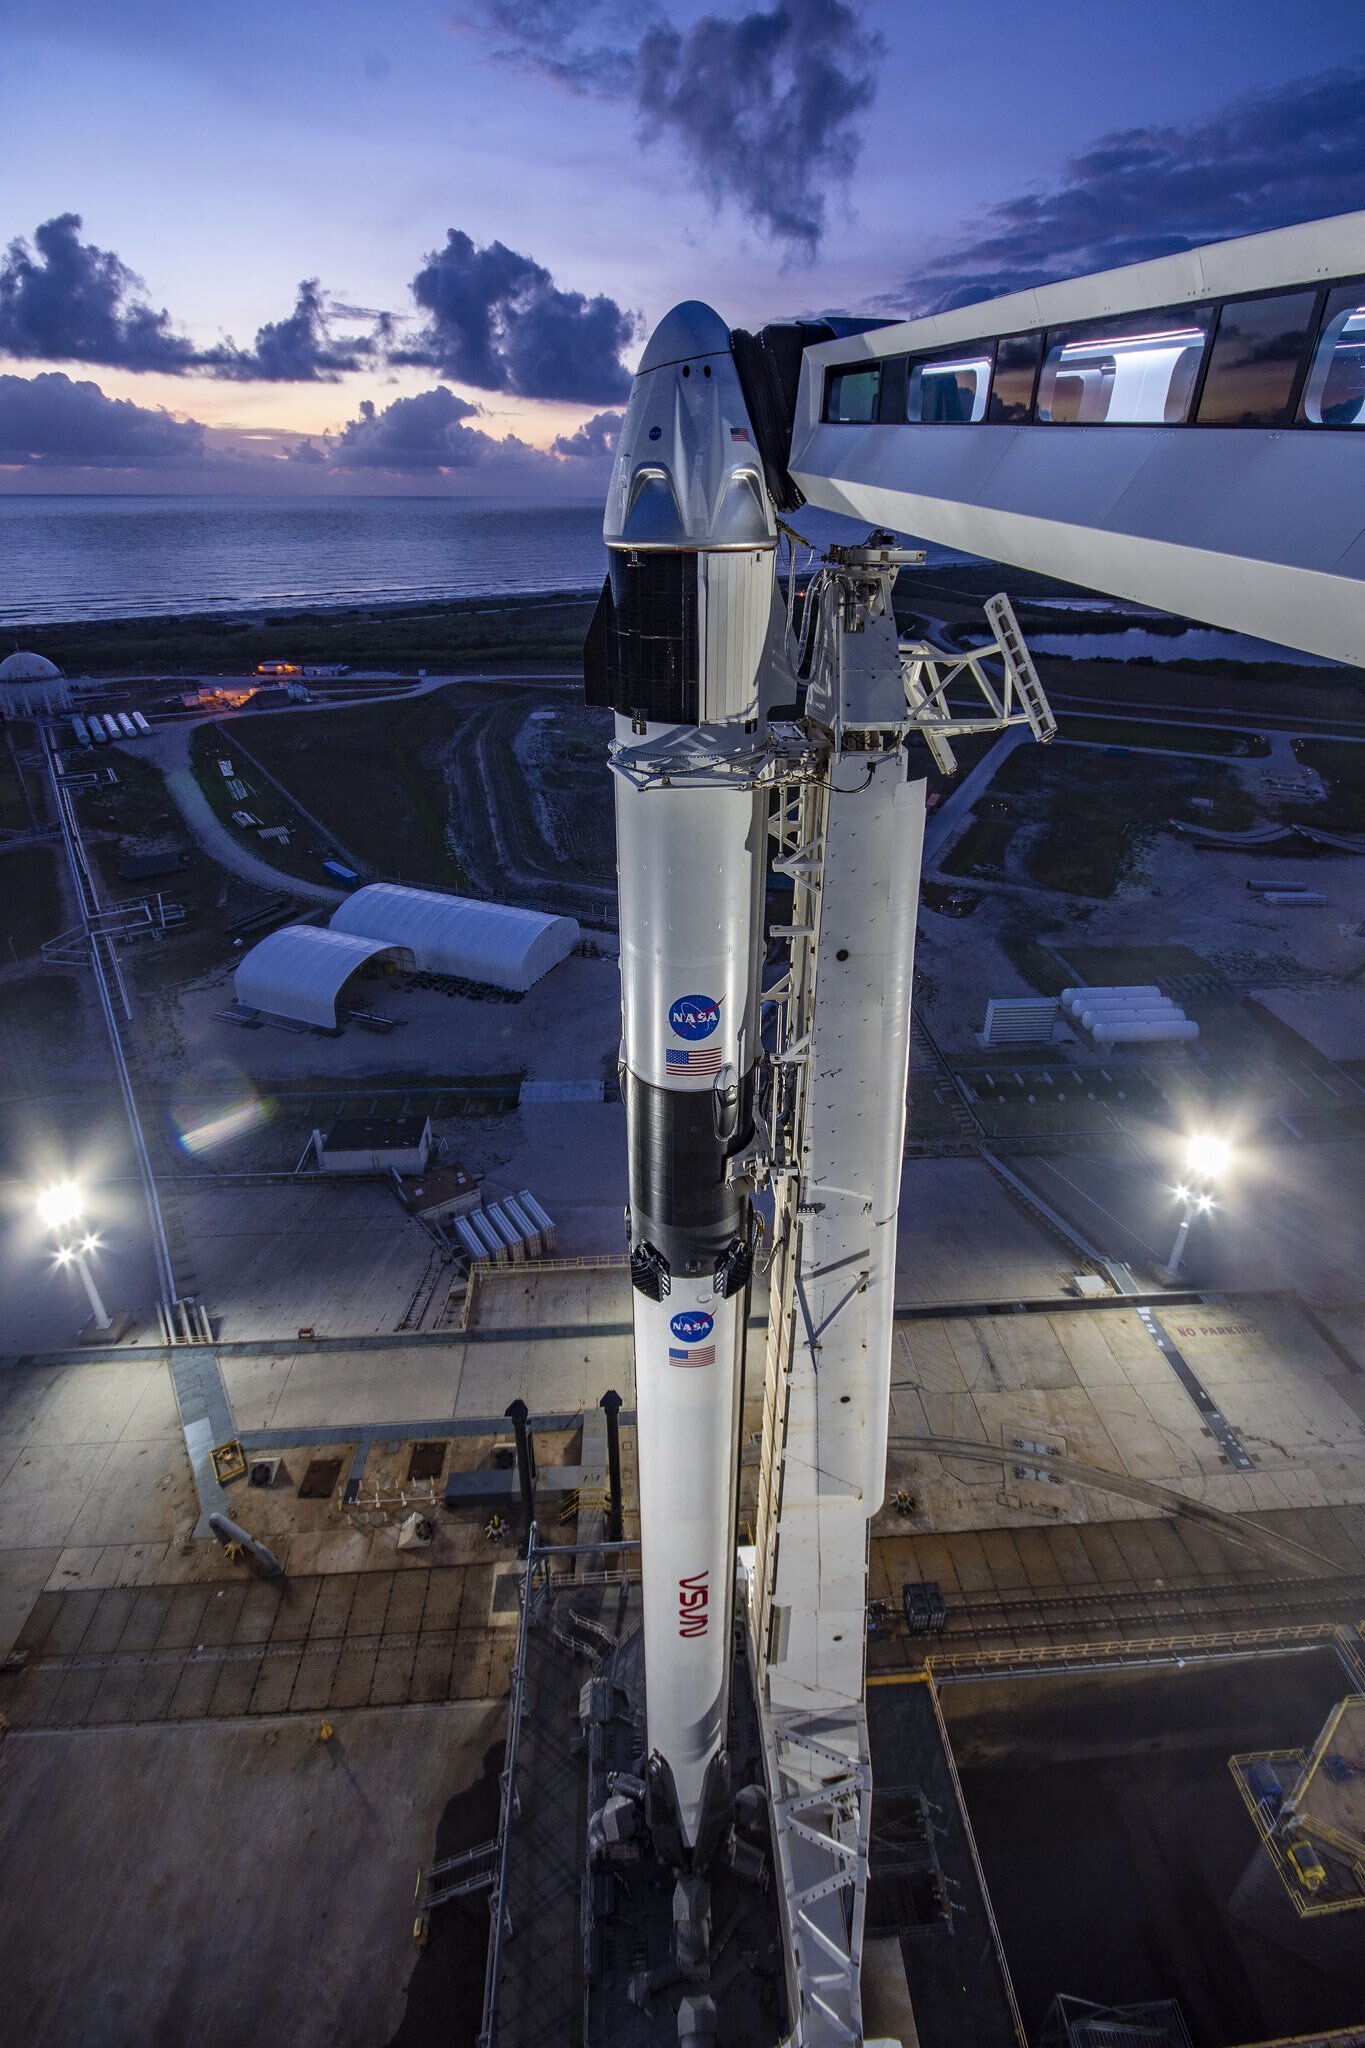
(676, 650)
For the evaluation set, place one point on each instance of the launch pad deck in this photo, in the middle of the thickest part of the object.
(579, 1939)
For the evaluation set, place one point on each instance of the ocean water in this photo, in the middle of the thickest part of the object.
(68, 558)
(1196, 643)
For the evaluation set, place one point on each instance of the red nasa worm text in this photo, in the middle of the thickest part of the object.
(693, 1596)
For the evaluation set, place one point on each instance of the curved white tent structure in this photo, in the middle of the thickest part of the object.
(487, 942)
(299, 971)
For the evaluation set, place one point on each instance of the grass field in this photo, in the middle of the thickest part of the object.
(1175, 739)
(31, 908)
(981, 849)
(1092, 810)
(306, 848)
(23, 792)
(1036, 964)
(404, 638)
(374, 775)
(1342, 768)
(1124, 966)
(43, 1012)
(499, 790)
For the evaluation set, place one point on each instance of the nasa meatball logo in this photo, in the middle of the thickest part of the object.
(694, 1017)
(693, 1326)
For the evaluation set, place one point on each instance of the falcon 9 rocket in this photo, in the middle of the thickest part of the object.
(675, 650)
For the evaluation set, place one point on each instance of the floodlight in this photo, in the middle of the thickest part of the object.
(1207, 1156)
(60, 1204)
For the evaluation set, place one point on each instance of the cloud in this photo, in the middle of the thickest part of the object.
(50, 419)
(431, 433)
(300, 349)
(1291, 153)
(557, 38)
(427, 432)
(765, 106)
(64, 300)
(497, 320)
(594, 441)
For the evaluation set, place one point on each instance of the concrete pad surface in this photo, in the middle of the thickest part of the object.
(23, 1574)
(223, 1884)
(963, 1237)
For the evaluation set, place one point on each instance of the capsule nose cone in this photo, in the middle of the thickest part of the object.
(691, 329)
(688, 472)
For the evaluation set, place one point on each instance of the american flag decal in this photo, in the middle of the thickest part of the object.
(739, 433)
(706, 1355)
(693, 1061)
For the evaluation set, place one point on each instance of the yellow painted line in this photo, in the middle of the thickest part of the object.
(903, 1678)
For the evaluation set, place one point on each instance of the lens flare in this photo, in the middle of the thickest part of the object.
(222, 1107)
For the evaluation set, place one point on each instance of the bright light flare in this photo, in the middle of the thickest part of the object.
(232, 1111)
(214, 1131)
(60, 1204)
(1207, 1156)
(90, 1243)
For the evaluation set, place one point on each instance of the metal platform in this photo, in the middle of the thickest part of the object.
(582, 1946)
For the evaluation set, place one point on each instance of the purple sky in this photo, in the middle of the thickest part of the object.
(488, 203)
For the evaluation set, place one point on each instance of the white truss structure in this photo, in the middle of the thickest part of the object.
(847, 829)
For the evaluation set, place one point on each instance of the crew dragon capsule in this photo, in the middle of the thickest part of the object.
(675, 650)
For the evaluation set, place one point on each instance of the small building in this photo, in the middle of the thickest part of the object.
(301, 971)
(1020, 1020)
(275, 665)
(31, 686)
(376, 1144)
(441, 1193)
(492, 943)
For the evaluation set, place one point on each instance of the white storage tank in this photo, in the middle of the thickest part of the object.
(1077, 999)
(1114, 1012)
(1154, 1031)
(530, 1232)
(539, 1218)
(494, 1248)
(507, 1231)
(470, 1239)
